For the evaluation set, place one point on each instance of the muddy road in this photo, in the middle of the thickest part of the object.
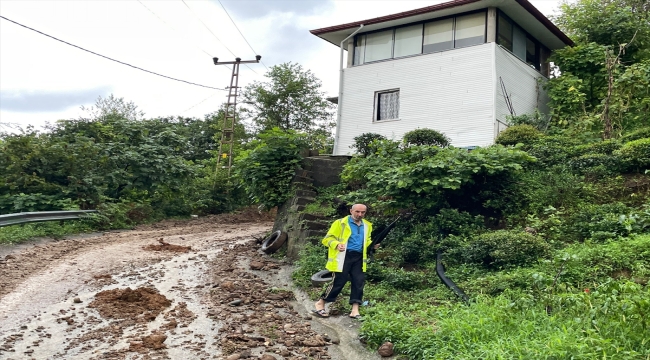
(195, 289)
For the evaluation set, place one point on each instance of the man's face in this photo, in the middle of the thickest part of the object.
(358, 212)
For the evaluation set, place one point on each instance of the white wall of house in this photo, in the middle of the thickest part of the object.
(521, 83)
(451, 91)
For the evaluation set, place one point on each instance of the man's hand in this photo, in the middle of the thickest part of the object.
(377, 246)
(340, 247)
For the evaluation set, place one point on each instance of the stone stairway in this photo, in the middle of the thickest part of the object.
(301, 226)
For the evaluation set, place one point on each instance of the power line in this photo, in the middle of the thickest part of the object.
(197, 104)
(164, 22)
(215, 36)
(106, 57)
(240, 33)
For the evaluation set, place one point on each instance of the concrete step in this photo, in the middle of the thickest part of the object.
(302, 179)
(303, 186)
(316, 225)
(299, 200)
(297, 208)
(314, 217)
(306, 193)
(304, 173)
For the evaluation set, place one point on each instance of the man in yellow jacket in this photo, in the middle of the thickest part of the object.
(347, 241)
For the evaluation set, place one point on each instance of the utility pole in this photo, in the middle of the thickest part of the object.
(228, 128)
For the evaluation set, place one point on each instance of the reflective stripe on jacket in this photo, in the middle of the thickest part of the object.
(339, 233)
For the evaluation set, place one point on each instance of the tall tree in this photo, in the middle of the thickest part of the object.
(291, 99)
(602, 87)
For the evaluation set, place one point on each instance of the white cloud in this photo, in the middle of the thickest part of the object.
(165, 37)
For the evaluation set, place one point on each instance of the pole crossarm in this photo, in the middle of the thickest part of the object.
(228, 129)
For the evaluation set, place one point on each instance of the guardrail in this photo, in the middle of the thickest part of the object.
(27, 217)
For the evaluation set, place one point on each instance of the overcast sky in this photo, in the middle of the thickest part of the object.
(45, 80)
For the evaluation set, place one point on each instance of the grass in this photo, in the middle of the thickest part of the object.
(56, 229)
(588, 301)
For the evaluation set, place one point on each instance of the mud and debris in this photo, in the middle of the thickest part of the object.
(205, 292)
(140, 305)
(165, 246)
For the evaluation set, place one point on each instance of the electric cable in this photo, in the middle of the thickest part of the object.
(215, 36)
(240, 33)
(106, 57)
(164, 22)
(197, 104)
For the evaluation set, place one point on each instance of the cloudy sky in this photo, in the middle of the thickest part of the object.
(44, 80)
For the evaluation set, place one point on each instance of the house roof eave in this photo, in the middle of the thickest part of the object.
(335, 33)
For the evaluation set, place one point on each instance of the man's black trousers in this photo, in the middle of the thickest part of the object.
(352, 269)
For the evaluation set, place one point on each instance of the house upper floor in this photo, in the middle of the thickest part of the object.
(516, 25)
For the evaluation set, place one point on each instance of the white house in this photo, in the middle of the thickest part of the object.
(443, 67)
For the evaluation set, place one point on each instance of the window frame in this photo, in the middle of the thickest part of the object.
(538, 44)
(423, 23)
(375, 108)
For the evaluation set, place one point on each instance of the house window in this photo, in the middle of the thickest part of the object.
(359, 46)
(439, 35)
(470, 30)
(432, 36)
(387, 105)
(504, 33)
(532, 53)
(379, 46)
(408, 40)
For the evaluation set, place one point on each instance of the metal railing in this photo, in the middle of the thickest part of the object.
(27, 217)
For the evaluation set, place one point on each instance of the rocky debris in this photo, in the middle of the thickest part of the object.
(154, 341)
(256, 265)
(142, 304)
(386, 349)
(264, 322)
(165, 246)
(76, 300)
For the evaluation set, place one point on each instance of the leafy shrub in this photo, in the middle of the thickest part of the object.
(363, 143)
(607, 221)
(516, 134)
(642, 133)
(506, 248)
(266, 170)
(552, 150)
(636, 153)
(538, 120)
(606, 147)
(596, 164)
(462, 223)
(557, 187)
(426, 137)
(452, 177)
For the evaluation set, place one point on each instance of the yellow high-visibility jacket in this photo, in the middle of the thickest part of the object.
(339, 233)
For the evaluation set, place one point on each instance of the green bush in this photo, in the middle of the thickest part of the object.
(266, 170)
(516, 134)
(606, 147)
(426, 137)
(596, 164)
(363, 143)
(642, 133)
(636, 153)
(552, 150)
(505, 248)
(461, 223)
(538, 120)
